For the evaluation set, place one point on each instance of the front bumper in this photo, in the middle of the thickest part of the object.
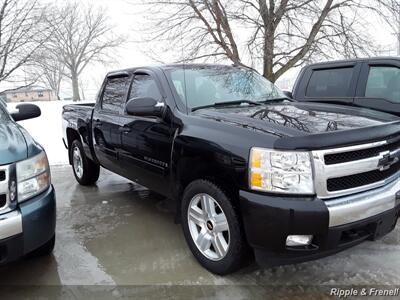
(27, 228)
(335, 224)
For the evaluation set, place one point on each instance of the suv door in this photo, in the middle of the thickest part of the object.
(105, 120)
(379, 86)
(146, 142)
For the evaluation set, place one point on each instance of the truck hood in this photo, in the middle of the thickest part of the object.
(13, 145)
(295, 119)
(308, 126)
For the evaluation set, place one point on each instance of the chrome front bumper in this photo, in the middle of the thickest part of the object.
(356, 207)
(10, 224)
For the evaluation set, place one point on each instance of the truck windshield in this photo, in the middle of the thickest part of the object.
(203, 86)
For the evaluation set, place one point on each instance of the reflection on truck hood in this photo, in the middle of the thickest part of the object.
(294, 119)
(12, 143)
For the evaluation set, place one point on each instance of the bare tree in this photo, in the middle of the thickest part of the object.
(22, 32)
(390, 10)
(82, 35)
(48, 69)
(274, 34)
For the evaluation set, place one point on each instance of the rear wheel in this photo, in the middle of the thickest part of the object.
(212, 228)
(85, 170)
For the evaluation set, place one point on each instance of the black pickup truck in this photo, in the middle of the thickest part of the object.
(366, 82)
(248, 170)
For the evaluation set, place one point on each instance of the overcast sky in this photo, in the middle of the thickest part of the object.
(127, 17)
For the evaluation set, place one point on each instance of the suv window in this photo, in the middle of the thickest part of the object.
(144, 86)
(114, 94)
(330, 83)
(384, 82)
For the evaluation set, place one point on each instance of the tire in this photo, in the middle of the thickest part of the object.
(46, 249)
(86, 171)
(227, 249)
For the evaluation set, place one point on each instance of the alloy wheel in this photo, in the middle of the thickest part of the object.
(77, 162)
(208, 227)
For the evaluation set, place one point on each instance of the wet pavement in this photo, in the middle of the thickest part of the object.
(119, 234)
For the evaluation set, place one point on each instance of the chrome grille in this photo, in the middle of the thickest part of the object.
(4, 188)
(362, 172)
(336, 158)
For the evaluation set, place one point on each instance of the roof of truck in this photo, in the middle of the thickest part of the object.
(169, 66)
(362, 59)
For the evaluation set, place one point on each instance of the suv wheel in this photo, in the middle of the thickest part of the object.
(85, 170)
(212, 229)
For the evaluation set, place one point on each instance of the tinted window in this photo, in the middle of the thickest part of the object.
(384, 82)
(330, 83)
(144, 86)
(114, 94)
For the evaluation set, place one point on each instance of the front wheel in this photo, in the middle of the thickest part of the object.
(85, 170)
(212, 228)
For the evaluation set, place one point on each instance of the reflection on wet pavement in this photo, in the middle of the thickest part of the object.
(119, 233)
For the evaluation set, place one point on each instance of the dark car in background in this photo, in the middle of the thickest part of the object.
(27, 198)
(366, 82)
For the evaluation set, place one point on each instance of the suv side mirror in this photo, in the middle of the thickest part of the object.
(25, 112)
(288, 94)
(144, 107)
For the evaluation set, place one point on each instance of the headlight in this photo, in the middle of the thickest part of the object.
(33, 176)
(280, 171)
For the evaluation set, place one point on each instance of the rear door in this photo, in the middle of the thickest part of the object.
(105, 121)
(328, 81)
(379, 85)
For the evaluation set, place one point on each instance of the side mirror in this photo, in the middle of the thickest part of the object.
(25, 112)
(288, 94)
(144, 107)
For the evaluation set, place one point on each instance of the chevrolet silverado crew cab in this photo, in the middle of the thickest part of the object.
(27, 198)
(248, 170)
(367, 82)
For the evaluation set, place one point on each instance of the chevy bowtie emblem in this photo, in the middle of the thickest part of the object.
(387, 161)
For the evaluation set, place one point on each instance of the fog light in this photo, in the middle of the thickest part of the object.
(298, 240)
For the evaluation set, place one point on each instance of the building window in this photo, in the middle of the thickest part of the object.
(15, 95)
(40, 94)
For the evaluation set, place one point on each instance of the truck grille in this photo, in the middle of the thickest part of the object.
(4, 188)
(3, 200)
(353, 169)
(361, 179)
(338, 158)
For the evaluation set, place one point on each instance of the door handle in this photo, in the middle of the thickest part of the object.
(124, 129)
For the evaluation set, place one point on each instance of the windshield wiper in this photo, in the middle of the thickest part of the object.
(226, 103)
(276, 99)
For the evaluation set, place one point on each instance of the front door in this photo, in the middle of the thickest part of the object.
(146, 142)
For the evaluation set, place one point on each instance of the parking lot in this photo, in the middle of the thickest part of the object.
(120, 234)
